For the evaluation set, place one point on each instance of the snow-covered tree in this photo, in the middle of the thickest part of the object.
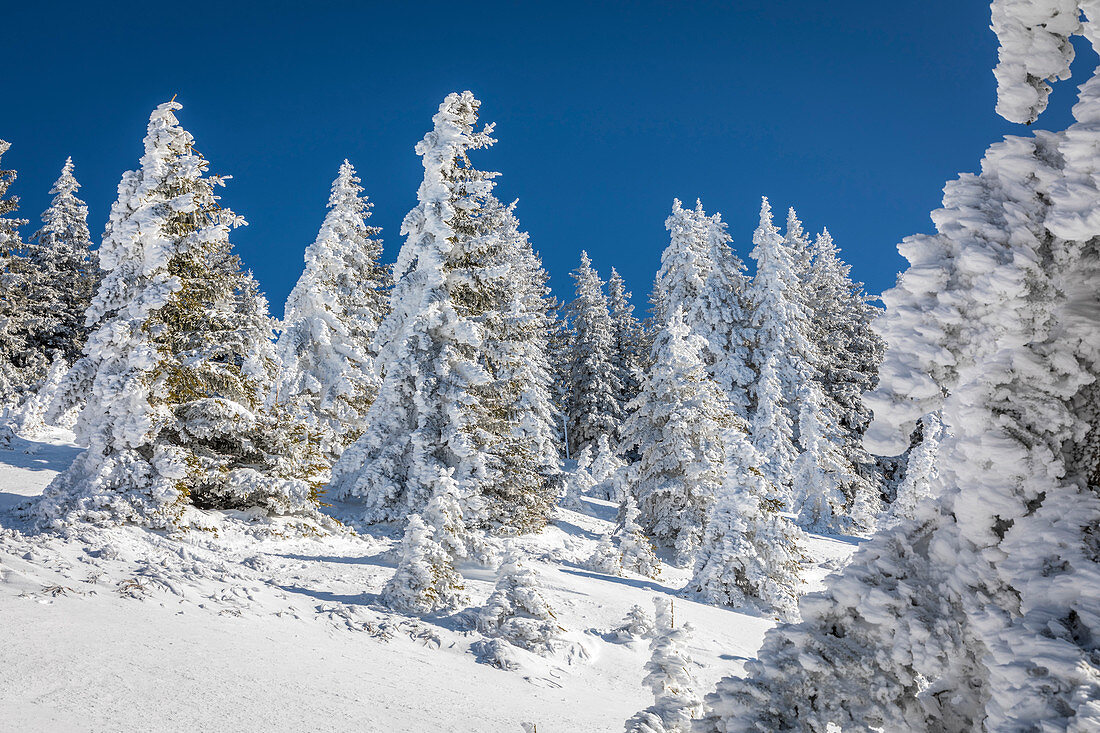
(30, 418)
(637, 624)
(463, 351)
(979, 613)
(517, 420)
(849, 352)
(782, 353)
(326, 349)
(701, 274)
(627, 338)
(724, 320)
(66, 272)
(670, 677)
(425, 580)
(917, 485)
(636, 552)
(773, 432)
(780, 317)
(627, 548)
(593, 407)
(751, 554)
(517, 612)
(421, 421)
(182, 360)
(675, 427)
(829, 495)
(13, 303)
(798, 245)
(685, 265)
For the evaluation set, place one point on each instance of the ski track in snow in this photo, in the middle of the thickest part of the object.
(243, 629)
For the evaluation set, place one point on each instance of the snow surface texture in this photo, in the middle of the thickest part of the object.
(121, 628)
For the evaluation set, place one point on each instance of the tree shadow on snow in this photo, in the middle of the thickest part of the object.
(574, 530)
(638, 583)
(378, 560)
(32, 456)
(349, 599)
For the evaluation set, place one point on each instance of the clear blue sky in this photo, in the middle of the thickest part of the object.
(854, 112)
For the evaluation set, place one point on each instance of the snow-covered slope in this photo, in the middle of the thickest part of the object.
(243, 627)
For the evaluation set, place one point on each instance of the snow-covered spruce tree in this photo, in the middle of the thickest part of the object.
(31, 416)
(517, 612)
(430, 355)
(637, 624)
(751, 554)
(182, 360)
(701, 274)
(426, 580)
(63, 275)
(849, 352)
(979, 614)
(13, 303)
(920, 470)
(628, 340)
(830, 495)
(773, 432)
(800, 249)
(685, 265)
(668, 674)
(593, 408)
(66, 273)
(326, 349)
(636, 552)
(675, 426)
(627, 548)
(516, 419)
(464, 353)
(592, 394)
(783, 354)
(723, 319)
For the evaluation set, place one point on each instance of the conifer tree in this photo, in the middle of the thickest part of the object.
(517, 420)
(463, 351)
(701, 274)
(13, 303)
(783, 354)
(830, 496)
(429, 342)
(798, 245)
(724, 319)
(849, 352)
(685, 265)
(182, 360)
(425, 580)
(750, 553)
(977, 614)
(675, 426)
(628, 341)
(594, 389)
(669, 675)
(326, 350)
(636, 552)
(921, 471)
(66, 273)
(517, 612)
(773, 432)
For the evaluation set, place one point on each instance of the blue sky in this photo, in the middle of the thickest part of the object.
(856, 113)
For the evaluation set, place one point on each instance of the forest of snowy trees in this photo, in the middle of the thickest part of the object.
(452, 395)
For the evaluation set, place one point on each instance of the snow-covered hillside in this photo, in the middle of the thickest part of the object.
(247, 628)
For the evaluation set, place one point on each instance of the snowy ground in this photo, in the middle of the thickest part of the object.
(240, 628)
